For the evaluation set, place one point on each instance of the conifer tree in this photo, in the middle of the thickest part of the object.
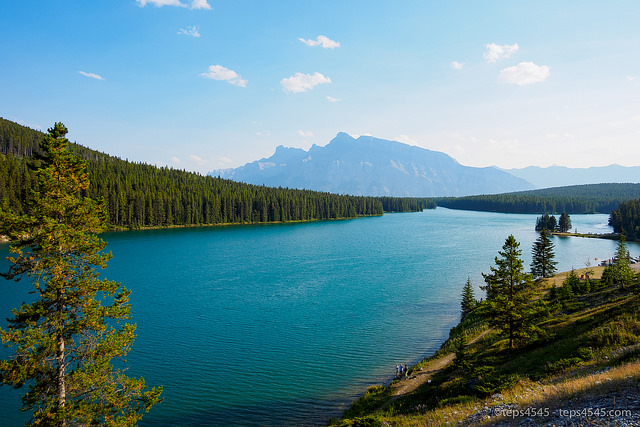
(546, 222)
(509, 305)
(543, 264)
(571, 284)
(468, 302)
(620, 272)
(65, 340)
(564, 224)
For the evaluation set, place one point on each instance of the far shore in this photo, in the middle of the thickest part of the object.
(5, 239)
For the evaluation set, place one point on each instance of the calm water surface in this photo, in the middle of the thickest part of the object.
(286, 324)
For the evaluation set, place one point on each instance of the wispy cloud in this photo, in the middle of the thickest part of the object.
(192, 4)
(525, 73)
(224, 162)
(190, 31)
(175, 159)
(457, 65)
(332, 99)
(303, 82)
(199, 160)
(200, 4)
(556, 137)
(495, 52)
(323, 41)
(91, 75)
(218, 72)
(304, 134)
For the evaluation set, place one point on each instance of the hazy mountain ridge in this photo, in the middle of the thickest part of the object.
(372, 166)
(561, 176)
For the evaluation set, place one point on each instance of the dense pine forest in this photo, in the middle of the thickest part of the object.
(140, 195)
(574, 199)
(626, 219)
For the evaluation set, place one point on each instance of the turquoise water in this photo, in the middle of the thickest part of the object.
(286, 324)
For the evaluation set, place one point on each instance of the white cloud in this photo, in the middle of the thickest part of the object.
(91, 75)
(194, 4)
(555, 137)
(175, 159)
(525, 73)
(303, 82)
(305, 134)
(323, 41)
(332, 99)
(199, 160)
(457, 65)
(190, 31)
(159, 3)
(200, 4)
(223, 162)
(495, 52)
(218, 72)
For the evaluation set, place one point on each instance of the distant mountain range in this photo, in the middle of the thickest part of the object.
(377, 167)
(560, 176)
(373, 167)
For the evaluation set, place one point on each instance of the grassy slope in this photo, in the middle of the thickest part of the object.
(591, 346)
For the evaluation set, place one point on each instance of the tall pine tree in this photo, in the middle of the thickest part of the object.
(620, 272)
(66, 339)
(468, 302)
(564, 224)
(543, 264)
(510, 291)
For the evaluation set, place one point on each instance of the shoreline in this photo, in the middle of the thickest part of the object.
(440, 359)
(110, 229)
(227, 224)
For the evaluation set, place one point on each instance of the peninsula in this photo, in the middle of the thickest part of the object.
(585, 366)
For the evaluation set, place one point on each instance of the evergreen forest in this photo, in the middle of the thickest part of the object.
(574, 199)
(140, 195)
(626, 219)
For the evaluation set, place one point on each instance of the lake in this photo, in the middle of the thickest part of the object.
(286, 324)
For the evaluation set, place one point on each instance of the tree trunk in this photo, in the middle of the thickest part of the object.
(60, 363)
(62, 393)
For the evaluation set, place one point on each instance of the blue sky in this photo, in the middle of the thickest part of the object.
(208, 84)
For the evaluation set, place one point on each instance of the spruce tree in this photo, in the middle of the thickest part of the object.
(468, 302)
(620, 272)
(509, 305)
(543, 264)
(65, 340)
(564, 224)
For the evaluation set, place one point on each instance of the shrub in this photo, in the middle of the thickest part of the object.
(494, 384)
(562, 365)
(611, 335)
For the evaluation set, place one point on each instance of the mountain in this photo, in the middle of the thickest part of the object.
(373, 167)
(560, 176)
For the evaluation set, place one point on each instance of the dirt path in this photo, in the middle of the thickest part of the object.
(406, 386)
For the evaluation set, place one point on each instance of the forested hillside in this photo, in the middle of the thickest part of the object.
(626, 219)
(575, 199)
(140, 195)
